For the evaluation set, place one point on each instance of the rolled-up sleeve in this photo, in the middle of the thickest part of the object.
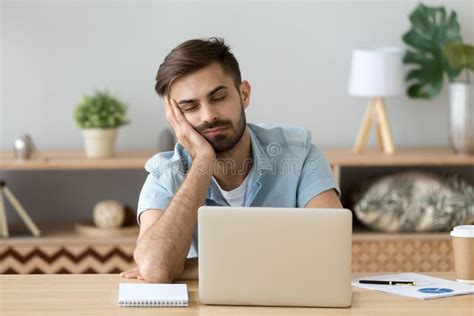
(154, 195)
(160, 184)
(316, 177)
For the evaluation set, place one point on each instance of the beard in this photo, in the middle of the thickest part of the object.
(224, 142)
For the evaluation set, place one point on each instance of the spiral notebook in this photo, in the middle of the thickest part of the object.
(160, 295)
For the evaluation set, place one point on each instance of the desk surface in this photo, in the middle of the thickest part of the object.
(97, 295)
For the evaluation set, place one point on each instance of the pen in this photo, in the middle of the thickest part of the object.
(411, 283)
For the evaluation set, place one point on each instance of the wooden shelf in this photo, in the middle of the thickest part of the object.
(404, 156)
(135, 159)
(365, 234)
(62, 250)
(64, 233)
(54, 233)
(75, 159)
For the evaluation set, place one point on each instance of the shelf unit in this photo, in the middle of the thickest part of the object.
(61, 250)
(406, 156)
(75, 159)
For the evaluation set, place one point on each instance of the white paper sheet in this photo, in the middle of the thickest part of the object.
(425, 288)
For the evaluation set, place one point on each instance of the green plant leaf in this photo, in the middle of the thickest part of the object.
(431, 73)
(101, 110)
(459, 56)
(430, 30)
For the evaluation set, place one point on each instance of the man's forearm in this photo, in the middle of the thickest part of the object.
(162, 251)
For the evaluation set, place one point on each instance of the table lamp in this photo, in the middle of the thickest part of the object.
(376, 73)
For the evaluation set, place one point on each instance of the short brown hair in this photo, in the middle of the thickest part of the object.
(194, 55)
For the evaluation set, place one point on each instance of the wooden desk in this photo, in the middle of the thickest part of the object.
(97, 295)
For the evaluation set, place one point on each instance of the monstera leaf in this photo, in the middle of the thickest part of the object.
(459, 56)
(431, 29)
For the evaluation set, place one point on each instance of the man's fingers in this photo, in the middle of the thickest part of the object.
(131, 270)
(178, 114)
(176, 111)
(182, 123)
(170, 114)
(134, 270)
(133, 273)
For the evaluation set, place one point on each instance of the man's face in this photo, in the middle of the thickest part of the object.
(212, 104)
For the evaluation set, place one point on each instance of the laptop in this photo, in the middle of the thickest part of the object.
(275, 256)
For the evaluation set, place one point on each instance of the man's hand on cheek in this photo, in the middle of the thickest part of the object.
(195, 144)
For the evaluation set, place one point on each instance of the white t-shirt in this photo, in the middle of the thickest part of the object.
(235, 197)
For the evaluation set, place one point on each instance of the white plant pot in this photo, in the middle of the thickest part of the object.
(99, 142)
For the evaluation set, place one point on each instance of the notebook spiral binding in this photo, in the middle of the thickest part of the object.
(154, 303)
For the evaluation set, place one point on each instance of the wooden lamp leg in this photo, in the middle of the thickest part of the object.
(376, 113)
(361, 141)
(3, 217)
(384, 127)
(378, 132)
(21, 212)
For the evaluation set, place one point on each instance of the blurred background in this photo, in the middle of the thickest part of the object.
(296, 56)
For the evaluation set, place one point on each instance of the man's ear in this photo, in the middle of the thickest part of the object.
(245, 90)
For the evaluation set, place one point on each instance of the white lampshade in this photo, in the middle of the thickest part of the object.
(376, 72)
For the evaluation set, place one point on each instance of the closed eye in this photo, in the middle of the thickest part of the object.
(218, 99)
(189, 107)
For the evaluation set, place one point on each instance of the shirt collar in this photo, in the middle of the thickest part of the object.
(261, 159)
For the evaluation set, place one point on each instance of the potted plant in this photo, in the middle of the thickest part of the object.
(99, 116)
(434, 42)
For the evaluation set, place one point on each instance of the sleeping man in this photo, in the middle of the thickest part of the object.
(219, 159)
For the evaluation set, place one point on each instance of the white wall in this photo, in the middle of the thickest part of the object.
(296, 55)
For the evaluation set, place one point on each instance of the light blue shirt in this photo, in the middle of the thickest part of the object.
(288, 171)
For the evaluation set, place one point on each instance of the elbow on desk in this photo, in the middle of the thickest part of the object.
(157, 275)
